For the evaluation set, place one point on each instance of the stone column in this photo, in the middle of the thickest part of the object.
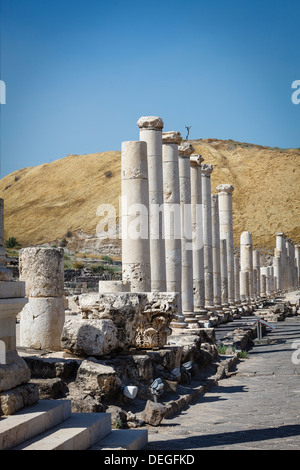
(224, 274)
(172, 220)
(237, 295)
(263, 283)
(244, 287)
(256, 270)
(197, 224)
(293, 266)
(281, 248)
(42, 319)
(288, 264)
(206, 171)
(15, 392)
(185, 150)
(277, 271)
(270, 281)
(226, 232)
(297, 258)
(151, 132)
(135, 217)
(246, 264)
(216, 252)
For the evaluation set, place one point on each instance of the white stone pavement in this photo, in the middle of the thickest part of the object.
(257, 408)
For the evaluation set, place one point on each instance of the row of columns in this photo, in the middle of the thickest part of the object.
(283, 274)
(187, 232)
(190, 244)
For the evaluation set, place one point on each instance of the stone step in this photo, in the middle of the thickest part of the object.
(79, 432)
(123, 439)
(31, 421)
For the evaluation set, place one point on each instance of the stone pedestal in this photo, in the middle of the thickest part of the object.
(226, 233)
(42, 319)
(185, 150)
(15, 392)
(135, 216)
(151, 133)
(108, 287)
(172, 220)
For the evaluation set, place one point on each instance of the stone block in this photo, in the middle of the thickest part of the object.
(17, 398)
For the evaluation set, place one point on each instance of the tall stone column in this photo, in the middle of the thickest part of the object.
(42, 319)
(246, 264)
(224, 274)
(216, 252)
(237, 295)
(270, 281)
(256, 270)
(151, 133)
(135, 216)
(226, 233)
(297, 258)
(172, 220)
(293, 265)
(185, 150)
(206, 171)
(281, 248)
(197, 226)
(277, 271)
(288, 263)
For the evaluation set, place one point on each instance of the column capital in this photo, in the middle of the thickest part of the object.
(171, 137)
(196, 159)
(185, 150)
(280, 234)
(150, 123)
(225, 188)
(206, 169)
(246, 238)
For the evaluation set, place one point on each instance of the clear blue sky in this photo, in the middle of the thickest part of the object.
(80, 73)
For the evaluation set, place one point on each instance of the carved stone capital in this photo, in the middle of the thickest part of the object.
(185, 150)
(150, 123)
(225, 188)
(196, 159)
(171, 137)
(206, 169)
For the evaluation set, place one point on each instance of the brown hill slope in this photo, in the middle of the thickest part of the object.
(42, 203)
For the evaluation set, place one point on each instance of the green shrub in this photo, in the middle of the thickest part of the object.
(12, 242)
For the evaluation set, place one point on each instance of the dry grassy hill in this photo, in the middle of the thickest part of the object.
(43, 203)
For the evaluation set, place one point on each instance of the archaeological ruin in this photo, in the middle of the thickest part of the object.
(130, 354)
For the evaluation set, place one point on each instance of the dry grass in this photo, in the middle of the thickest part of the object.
(43, 203)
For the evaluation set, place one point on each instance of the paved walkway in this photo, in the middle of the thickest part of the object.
(257, 408)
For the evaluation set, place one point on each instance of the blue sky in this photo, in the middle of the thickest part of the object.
(80, 73)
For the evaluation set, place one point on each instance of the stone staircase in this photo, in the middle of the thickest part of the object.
(51, 425)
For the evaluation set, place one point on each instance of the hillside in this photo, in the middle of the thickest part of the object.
(43, 203)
